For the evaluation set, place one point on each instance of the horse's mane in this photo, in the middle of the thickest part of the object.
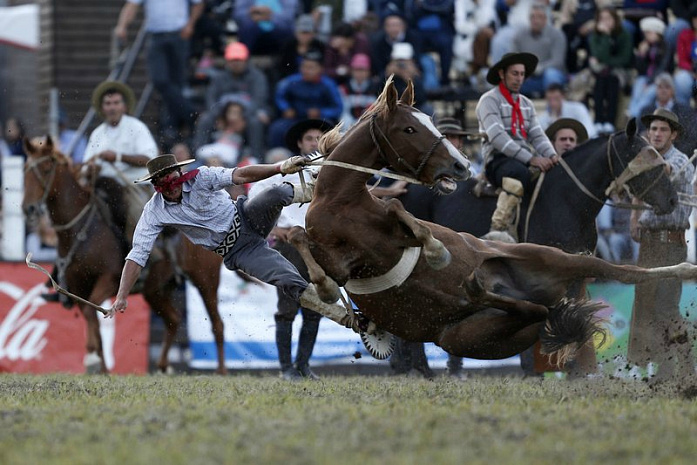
(589, 145)
(331, 139)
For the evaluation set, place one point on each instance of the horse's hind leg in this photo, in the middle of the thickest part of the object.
(490, 334)
(327, 288)
(158, 293)
(206, 277)
(437, 256)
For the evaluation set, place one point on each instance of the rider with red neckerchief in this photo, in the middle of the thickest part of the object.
(514, 141)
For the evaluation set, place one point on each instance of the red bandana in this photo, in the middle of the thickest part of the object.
(517, 116)
(162, 186)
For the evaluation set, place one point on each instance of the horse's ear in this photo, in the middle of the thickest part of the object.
(28, 147)
(49, 142)
(407, 97)
(631, 128)
(391, 95)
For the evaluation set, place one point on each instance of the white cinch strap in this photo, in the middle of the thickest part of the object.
(395, 277)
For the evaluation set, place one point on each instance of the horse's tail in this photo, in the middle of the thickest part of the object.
(571, 324)
(330, 139)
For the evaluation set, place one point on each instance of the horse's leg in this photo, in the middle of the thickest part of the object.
(327, 288)
(555, 266)
(437, 256)
(157, 292)
(490, 334)
(205, 275)
(104, 288)
(94, 359)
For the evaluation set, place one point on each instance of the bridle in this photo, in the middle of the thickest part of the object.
(619, 183)
(633, 169)
(423, 160)
(32, 165)
(46, 183)
(374, 131)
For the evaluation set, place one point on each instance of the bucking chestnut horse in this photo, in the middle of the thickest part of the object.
(424, 282)
(92, 255)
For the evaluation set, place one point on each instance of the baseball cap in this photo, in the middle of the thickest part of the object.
(236, 51)
(360, 61)
(402, 51)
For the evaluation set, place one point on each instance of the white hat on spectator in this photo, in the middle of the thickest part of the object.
(402, 51)
(652, 24)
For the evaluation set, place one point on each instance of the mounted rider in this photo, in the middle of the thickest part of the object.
(514, 141)
(120, 146)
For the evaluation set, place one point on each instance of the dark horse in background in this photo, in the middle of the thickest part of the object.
(93, 253)
(425, 282)
(563, 215)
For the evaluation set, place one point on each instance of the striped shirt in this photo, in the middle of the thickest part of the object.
(204, 215)
(680, 217)
(494, 114)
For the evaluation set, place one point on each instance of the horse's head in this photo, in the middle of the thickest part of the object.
(39, 175)
(410, 144)
(642, 169)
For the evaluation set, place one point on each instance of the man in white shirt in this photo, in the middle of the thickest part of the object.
(120, 147)
(302, 139)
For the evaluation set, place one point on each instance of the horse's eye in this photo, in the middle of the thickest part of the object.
(409, 130)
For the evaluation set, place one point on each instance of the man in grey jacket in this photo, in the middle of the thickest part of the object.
(514, 141)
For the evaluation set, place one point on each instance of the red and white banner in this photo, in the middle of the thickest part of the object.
(41, 337)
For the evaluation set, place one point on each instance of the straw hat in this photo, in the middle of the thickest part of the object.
(568, 123)
(160, 165)
(526, 59)
(129, 97)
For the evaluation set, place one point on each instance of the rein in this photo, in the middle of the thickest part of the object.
(618, 184)
(385, 174)
(45, 184)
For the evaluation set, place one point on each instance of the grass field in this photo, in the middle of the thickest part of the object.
(342, 420)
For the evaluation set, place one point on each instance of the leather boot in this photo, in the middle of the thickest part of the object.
(303, 194)
(284, 335)
(306, 342)
(506, 206)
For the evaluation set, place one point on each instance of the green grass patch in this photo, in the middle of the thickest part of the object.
(72, 420)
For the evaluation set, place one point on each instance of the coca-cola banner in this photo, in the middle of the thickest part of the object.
(41, 337)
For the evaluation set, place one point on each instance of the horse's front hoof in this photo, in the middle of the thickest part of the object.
(92, 363)
(328, 291)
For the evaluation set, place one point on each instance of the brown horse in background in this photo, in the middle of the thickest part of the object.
(424, 282)
(92, 253)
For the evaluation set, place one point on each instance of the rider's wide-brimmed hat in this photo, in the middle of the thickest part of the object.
(128, 96)
(663, 115)
(526, 59)
(450, 126)
(162, 164)
(296, 132)
(568, 123)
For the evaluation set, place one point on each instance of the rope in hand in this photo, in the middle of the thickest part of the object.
(60, 290)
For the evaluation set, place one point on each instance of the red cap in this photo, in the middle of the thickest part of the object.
(236, 51)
